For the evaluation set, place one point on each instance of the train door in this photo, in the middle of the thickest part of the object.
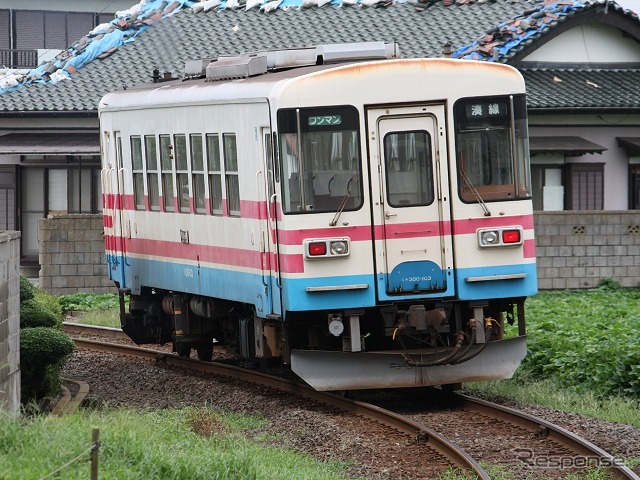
(112, 184)
(269, 260)
(413, 233)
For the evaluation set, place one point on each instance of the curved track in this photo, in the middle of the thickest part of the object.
(419, 432)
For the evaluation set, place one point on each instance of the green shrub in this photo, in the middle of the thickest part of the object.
(88, 302)
(49, 302)
(27, 289)
(588, 339)
(35, 314)
(43, 351)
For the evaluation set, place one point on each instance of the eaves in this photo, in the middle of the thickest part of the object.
(49, 114)
(583, 110)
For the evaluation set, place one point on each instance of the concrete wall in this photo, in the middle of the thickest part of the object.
(10, 321)
(72, 257)
(576, 250)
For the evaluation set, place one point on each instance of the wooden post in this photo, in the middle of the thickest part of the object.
(95, 440)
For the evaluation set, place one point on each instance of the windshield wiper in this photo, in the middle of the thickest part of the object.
(486, 211)
(343, 204)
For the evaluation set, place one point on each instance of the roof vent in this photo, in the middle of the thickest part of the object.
(341, 52)
(196, 68)
(237, 67)
(249, 65)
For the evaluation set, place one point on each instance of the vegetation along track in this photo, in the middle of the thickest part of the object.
(561, 451)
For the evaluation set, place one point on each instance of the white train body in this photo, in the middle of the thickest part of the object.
(320, 214)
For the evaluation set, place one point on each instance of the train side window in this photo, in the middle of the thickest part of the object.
(182, 168)
(166, 157)
(231, 173)
(138, 174)
(151, 157)
(197, 173)
(215, 174)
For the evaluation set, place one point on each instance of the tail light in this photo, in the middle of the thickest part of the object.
(499, 237)
(327, 248)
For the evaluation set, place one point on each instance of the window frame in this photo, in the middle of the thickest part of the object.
(198, 176)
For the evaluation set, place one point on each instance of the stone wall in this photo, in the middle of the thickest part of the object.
(72, 257)
(576, 250)
(10, 321)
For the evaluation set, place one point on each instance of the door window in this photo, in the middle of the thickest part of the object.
(409, 169)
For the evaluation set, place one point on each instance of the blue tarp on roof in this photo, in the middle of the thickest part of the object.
(102, 41)
(497, 44)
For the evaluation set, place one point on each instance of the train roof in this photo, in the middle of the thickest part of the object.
(239, 79)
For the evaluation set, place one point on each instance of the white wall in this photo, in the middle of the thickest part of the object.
(589, 43)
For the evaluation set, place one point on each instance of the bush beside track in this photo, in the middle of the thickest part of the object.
(589, 339)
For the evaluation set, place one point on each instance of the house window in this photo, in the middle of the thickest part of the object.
(83, 186)
(7, 198)
(548, 187)
(151, 159)
(197, 173)
(166, 164)
(182, 167)
(231, 173)
(634, 187)
(585, 186)
(138, 174)
(215, 174)
(39, 29)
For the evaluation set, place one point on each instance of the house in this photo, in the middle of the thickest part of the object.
(580, 60)
(60, 151)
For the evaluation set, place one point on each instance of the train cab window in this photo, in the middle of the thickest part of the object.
(231, 173)
(197, 173)
(138, 174)
(151, 158)
(320, 159)
(166, 166)
(408, 162)
(215, 173)
(492, 148)
(182, 172)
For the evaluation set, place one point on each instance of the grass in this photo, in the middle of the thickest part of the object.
(190, 443)
(571, 335)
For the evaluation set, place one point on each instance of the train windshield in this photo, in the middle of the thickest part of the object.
(492, 148)
(320, 159)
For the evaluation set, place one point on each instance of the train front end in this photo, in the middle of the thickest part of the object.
(406, 238)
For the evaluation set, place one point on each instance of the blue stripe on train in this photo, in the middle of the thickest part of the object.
(304, 294)
(482, 282)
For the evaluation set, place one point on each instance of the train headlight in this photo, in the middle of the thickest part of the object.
(326, 248)
(489, 237)
(499, 237)
(339, 248)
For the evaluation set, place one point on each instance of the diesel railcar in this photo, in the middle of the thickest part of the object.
(363, 218)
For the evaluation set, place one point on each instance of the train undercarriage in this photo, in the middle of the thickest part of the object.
(394, 345)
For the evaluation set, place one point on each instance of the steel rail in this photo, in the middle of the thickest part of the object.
(422, 434)
(80, 328)
(554, 432)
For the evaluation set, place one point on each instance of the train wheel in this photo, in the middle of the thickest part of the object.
(183, 349)
(205, 351)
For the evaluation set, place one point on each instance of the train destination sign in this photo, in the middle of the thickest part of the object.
(321, 120)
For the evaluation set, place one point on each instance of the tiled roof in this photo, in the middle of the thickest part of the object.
(570, 89)
(420, 29)
(513, 35)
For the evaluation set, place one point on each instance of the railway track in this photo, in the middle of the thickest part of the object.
(415, 425)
